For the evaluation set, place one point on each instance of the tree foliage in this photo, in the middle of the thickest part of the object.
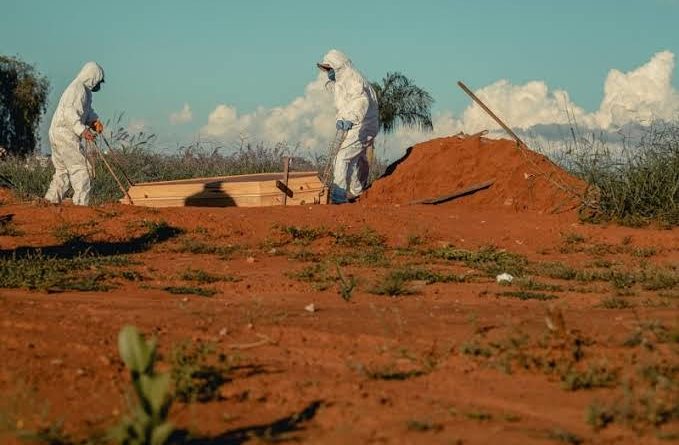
(403, 103)
(23, 101)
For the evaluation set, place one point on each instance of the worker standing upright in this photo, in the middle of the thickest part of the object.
(73, 121)
(357, 114)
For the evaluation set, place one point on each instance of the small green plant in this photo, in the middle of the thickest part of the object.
(595, 376)
(346, 285)
(488, 259)
(196, 247)
(148, 423)
(304, 234)
(368, 237)
(615, 303)
(656, 279)
(66, 234)
(188, 290)
(196, 377)
(9, 229)
(525, 295)
(532, 285)
(203, 277)
(424, 426)
(564, 436)
(645, 252)
(391, 373)
(557, 271)
(478, 415)
(475, 349)
(598, 416)
(370, 257)
(420, 274)
(573, 238)
(39, 272)
(392, 285)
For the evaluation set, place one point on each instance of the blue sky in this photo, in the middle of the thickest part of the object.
(261, 53)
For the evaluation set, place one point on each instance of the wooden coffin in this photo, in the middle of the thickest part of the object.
(258, 190)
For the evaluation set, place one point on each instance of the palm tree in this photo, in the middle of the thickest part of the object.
(402, 102)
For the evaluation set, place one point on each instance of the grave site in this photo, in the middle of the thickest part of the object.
(460, 300)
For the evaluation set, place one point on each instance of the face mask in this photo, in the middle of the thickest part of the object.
(96, 88)
(331, 75)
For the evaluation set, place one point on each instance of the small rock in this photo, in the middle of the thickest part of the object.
(250, 260)
(273, 251)
(310, 308)
(57, 362)
(504, 278)
(223, 332)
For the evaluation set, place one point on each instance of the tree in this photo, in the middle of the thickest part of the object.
(403, 103)
(23, 101)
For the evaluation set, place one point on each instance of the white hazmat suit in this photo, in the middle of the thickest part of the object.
(356, 102)
(73, 116)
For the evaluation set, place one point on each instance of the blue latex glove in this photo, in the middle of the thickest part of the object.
(344, 125)
(331, 75)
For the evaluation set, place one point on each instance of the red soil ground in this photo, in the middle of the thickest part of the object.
(59, 357)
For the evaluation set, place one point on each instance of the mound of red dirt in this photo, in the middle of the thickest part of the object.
(523, 179)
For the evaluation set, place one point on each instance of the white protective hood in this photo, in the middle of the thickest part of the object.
(355, 99)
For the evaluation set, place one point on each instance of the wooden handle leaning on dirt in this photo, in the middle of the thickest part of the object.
(491, 114)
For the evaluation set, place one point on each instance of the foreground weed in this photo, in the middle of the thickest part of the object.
(187, 290)
(304, 235)
(346, 285)
(566, 437)
(478, 415)
(67, 234)
(595, 376)
(525, 295)
(424, 426)
(194, 246)
(392, 373)
(599, 416)
(368, 237)
(203, 277)
(532, 285)
(488, 259)
(660, 279)
(645, 252)
(198, 372)
(9, 229)
(38, 272)
(419, 274)
(475, 349)
(316, 274)
(615, 303)
(148, 423)
(369, 257)
(649, 334)
(392, 285)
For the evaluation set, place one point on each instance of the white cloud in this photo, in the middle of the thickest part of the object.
(307, 120)
(642, 94)
(182, 116)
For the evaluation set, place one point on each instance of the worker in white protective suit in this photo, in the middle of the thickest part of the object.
(74, 121)
(358, 115)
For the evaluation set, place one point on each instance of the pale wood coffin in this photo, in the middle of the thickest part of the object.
(258, 190)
